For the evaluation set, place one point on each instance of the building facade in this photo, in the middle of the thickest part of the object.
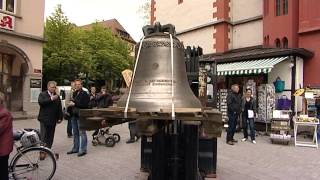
(309, 38)
(215, 25)
(21, 42)
(219, 26)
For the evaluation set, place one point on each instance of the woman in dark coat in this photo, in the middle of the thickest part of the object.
(249, 109)
(6, 139)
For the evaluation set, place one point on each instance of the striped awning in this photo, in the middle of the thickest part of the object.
(249, 67)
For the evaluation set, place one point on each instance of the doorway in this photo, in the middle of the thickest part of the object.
(11, 82)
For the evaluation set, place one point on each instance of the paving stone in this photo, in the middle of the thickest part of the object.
(261, 161)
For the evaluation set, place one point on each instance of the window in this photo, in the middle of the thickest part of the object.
(278, 43)
(278, 10)
(8, 5)
(285, 7)
(180, 1)
(285, 42)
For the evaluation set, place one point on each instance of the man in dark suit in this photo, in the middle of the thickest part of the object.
(50, 113)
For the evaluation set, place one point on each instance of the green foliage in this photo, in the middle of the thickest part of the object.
(70, 51)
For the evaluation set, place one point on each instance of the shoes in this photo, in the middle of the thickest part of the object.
(234, 141)
(82, 154)
(254, 142)
(130, 141)
(244, 139)
(230, 143)
(72, 152)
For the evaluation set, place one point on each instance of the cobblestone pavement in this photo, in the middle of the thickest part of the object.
(245, 160)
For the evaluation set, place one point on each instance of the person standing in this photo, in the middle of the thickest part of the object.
(234, 109)
(249, 109)
(69, 97)
(6, 139)
(50, 113)
(93, 98)
(80, 101)
(104, 98)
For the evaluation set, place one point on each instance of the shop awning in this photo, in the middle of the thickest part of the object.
(249, 67)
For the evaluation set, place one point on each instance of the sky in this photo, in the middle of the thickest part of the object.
(83, 12)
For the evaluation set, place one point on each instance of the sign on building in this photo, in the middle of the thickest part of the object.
(7, 21)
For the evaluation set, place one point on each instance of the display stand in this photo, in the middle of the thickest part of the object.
(314, 124)
(280, 127)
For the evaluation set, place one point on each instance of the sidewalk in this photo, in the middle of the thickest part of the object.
(261, 161)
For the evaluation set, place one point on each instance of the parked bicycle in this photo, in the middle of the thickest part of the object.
(32, 161)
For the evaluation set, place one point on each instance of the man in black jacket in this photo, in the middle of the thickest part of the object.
(50, 113)
(104, 99)
(80, 101)
(234, 109)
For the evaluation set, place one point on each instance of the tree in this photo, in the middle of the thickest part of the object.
(61, 51)
(71, 52)
(106, 55)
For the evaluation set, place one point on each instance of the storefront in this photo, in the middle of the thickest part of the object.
(259, 69)
(21, 46)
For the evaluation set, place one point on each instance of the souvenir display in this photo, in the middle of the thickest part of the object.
(266, 102)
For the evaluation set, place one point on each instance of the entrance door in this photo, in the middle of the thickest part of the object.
(10, 85)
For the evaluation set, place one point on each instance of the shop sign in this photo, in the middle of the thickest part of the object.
(37, 71)
(35, 83)
(127, 74)
(7, 21)
(35, 89)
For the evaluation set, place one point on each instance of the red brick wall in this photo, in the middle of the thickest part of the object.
(281, 26)
(309, 38)
(152, 13)
(222, 29)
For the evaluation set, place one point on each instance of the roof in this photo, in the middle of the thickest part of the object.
(115, 27)
(256, 52)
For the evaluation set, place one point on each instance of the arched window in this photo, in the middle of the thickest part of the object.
(277, 43)
(285, 7)
(285, 42)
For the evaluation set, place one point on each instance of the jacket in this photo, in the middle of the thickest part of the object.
(6, 132)
(104, 100)
(81, 99)
(50, 111)
(234, 102)
(93, 101)
(253, 105)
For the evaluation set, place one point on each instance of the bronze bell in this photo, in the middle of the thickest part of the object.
(152, 84)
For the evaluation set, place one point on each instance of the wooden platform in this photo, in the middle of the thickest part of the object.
(90, 119)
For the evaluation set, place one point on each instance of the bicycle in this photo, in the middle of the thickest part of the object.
(32, 160)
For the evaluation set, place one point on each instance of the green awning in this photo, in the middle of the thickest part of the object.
(249, 67)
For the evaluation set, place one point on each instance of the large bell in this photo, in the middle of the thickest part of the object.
(152, 84)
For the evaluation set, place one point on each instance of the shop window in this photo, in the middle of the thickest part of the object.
(285, 7)
(278, 43)
(8, 5)
(285, 42)
(278, 8)
(180, 1)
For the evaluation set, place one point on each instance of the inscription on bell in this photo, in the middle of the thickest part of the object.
(155, 82)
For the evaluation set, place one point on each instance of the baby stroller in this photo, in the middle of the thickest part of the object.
(103, 136)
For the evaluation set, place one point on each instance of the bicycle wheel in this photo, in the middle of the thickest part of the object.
(36, 163)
